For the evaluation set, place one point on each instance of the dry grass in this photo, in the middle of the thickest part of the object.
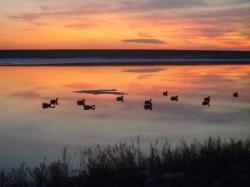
(211, 163)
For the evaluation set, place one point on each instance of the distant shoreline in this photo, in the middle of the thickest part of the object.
(159, 54)
(183, 63)
(121, 57)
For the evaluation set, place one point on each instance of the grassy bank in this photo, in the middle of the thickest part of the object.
(214, 162)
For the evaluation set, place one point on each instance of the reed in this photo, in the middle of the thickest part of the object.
(213, 162)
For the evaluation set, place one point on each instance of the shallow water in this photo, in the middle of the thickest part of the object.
(29, 133)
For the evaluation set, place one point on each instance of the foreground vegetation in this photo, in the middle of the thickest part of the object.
(214, 162)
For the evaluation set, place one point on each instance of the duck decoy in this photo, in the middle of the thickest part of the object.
(148, 107)
(47, 105)
(148, 102)
(206, 103)
(165, 93)
(120, 98)
(174, 98)
(81, 102)
(236, 94)
(54, 101)
(89, 107)
(207, 99)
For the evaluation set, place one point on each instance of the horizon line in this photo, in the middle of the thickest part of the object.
(131, 49)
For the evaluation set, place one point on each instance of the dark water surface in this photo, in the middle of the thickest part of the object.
(28, 132)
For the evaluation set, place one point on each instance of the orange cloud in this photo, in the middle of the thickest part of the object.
(141, 24)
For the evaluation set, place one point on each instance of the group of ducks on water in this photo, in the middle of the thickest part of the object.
(148, 105)
(85, 107)
(52, 104)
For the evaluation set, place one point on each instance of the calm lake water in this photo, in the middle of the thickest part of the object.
(29, 133)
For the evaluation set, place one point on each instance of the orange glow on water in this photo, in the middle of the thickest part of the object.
(24, 89)
(128, 79)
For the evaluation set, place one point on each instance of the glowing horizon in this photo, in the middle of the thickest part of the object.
(125, 24)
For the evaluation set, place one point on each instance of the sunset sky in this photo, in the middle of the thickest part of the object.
(125, 24)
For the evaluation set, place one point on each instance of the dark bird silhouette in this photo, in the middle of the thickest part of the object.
(81, 102)
(47, 105)
(120, 98)
(54, 101)
(207, 99)
(174, 98)
(206, 103)
(236, 94)
(89, 107)
(148, 102)
(165, 93)
(148, 107)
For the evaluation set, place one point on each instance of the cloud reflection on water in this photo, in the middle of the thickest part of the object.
(144, 70)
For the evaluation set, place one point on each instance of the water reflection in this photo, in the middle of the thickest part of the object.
(28, 133)
(99, 92)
